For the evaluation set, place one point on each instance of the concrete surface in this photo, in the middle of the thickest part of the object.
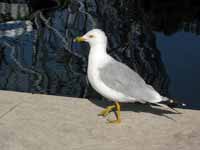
(41, 122)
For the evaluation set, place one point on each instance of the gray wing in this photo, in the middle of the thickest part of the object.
(121, 78)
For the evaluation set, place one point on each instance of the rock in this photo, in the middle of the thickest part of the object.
(13, 11)
(57, 65)
(30, 122)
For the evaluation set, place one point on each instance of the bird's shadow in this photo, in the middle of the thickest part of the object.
(137, 107)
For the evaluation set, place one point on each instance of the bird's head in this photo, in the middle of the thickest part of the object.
(93, 37)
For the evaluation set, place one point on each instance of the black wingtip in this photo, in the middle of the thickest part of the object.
(173, 103)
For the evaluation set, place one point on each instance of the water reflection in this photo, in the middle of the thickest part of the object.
(46, 60)
(180, 53)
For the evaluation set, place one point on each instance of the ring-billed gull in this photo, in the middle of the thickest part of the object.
(112, 79)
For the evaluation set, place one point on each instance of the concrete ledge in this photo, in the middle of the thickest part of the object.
(41, 122)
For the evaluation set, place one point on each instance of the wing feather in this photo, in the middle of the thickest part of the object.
(121, 78)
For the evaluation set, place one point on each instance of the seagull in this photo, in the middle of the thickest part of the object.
(113, 79)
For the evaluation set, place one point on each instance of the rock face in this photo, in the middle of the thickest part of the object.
(183, 16)
(46, 59)
(13, 11)
(130, 41)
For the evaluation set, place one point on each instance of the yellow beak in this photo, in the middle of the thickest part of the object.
(79, 39)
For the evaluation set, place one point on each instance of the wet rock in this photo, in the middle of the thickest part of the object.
(12, 11)
(58, 65)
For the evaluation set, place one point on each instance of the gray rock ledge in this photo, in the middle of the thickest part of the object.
(42, 122)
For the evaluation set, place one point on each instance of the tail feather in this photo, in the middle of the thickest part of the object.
(167, 107)
(170, 104)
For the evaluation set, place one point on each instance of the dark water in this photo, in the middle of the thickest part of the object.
(158, 39)
(181, 56)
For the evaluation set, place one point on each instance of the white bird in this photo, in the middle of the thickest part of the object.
(112, 79)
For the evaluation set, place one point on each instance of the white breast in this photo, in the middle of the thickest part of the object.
(96, 61)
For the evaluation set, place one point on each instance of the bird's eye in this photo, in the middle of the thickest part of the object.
(91, 36)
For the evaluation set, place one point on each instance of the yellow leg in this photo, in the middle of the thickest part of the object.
(106, 111)
(118, 120)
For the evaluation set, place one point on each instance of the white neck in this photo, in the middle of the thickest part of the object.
(98, 48)
(98, 54)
